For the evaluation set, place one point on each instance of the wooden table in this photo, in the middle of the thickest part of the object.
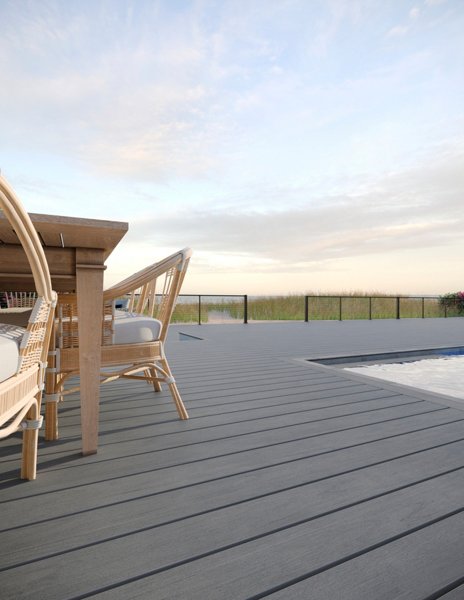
(76, 251)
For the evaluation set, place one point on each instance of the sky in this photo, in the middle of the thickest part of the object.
(296, 146)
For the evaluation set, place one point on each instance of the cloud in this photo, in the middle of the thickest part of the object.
(415, 209)
(141, 107)
(149, 92)
(398, 31)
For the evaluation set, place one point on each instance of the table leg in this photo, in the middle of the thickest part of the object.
(89, 284)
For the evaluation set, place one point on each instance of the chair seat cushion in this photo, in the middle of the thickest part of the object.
(131, 328)
(10, 339)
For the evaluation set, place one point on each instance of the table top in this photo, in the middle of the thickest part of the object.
(70, 232)
(64, 240)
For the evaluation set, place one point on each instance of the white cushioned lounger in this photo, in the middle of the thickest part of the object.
(130, 328)
(10, 340)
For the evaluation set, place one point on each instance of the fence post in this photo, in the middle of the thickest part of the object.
(306, 314)
(397, 307)
(423, 307)
(370, 308)
(245, 309)
(340, 308)
(199, 310)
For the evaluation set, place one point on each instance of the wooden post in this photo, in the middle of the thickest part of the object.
(89, 278)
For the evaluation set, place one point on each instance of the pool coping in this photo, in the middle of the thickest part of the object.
(334, 364)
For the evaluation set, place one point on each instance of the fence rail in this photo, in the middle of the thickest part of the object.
(242, 308)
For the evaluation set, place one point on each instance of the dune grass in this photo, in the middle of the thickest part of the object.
(346, 305)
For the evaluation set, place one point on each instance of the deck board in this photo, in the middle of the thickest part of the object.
(271, 508)
(290, 480)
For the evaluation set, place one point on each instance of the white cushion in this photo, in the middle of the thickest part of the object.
(123, 314)
(130, 328)
(10, 340)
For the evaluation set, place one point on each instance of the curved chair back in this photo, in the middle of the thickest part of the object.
(34, 346)
(27, 235)
(154, 290)
(21, 392)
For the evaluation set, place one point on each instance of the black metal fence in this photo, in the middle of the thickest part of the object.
(242, 308)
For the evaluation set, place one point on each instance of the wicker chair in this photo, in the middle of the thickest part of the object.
(24, 351)
(132, 341)
(20, 299)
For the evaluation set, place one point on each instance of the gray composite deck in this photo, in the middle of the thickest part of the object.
(290, 480)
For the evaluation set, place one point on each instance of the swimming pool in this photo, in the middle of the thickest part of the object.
(443, 375)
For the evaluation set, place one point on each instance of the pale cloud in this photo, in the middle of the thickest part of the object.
(328, 28)
(398, 31)
(173, 101)
(415, 209)
(275, 136)
(111, 113)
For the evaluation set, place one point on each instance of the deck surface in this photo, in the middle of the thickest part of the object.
(290, 480)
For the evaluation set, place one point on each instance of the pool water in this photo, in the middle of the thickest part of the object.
(444, 375)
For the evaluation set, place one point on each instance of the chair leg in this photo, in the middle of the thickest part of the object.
(149, 373)
(51, 406)
(156, 384)
(51, 420)
(30, 440)
(182, 411)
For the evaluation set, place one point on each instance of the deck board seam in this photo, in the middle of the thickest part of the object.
(263, 495)
(354, 555)
(243, 541)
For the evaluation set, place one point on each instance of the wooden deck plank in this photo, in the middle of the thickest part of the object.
(62, 482)
(240, 487)
(267, 404)
(224, 456)
(331, 395)
(414, 567)
(264, 508)
(264, 417)
(283, 465)
(184, 566)
(456, 594)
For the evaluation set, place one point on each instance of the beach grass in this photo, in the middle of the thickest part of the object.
(291, 307)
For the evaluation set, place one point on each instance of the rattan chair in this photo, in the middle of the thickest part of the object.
(24, 350)
(132, 341)
(20, 299)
